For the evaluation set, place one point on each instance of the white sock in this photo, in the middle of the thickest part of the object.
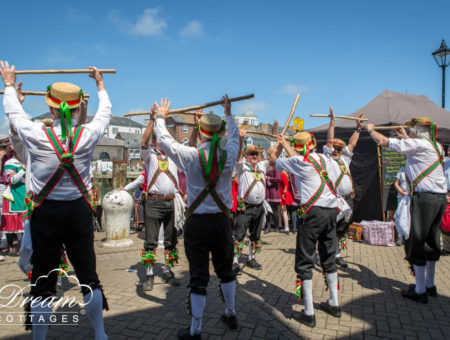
(198, 303)
(40, 313)
(94, 308)
(59, 281)
(332, 281)
(235, 260)
(429, 273)
(338, 253)
(307, 297)
(166, 269)
(419, 272)
(228, 290)
(150, 271)
(250, 250)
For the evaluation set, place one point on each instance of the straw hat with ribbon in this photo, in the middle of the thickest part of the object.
(4, 140)
(64, 96)
(304, 142)
(339, 143)
(424, 121)
(212, 127)
(252, 148)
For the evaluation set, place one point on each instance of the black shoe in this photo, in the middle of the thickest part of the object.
(334, 311)
(235, 268)
(169, 277)
(284, 231)
(308, 320)
(267, 230)
(399, 242)
(185, 333)
(432, 291)
(341, 262)
(410, 293)
(148, 284)
(253, 264)
(230, 321)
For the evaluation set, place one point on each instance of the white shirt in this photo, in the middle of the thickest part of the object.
(308, 180)
(43, 158)
(447, 173)
(163, 184)
(345, 186)
(137, 182)
(420, 154)
(186, 158)
(244, 173)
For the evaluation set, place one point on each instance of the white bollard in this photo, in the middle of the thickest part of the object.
(117, 206)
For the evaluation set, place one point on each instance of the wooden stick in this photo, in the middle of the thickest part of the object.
(340, 117)
(112, 70)
(392, 127)
(192, 108)
(38, 93)
(294, 106)
(261, 133)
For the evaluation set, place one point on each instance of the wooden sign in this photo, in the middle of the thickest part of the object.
(299, 124)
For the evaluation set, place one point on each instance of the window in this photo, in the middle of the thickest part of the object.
(104, 156)
(137, 153)
(185, 128)
(115, 130)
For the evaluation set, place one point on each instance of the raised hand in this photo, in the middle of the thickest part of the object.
(359, 123)
(8, 73)
(331, 113)
(20, 95)
(164, 107)
(226, 105)
(95, 74)
(153, 111)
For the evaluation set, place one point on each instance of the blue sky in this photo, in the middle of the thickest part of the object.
(334, 53)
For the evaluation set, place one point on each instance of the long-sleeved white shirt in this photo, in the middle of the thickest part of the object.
(186, 158)
(345, 187)
(44, 160)
(420, 155)
(163, 184)
(244, 173)
(308, 180)
(137, 182)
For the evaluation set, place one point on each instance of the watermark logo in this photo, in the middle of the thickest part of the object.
(52, 310)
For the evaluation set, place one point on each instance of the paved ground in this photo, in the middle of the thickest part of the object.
(370, 298)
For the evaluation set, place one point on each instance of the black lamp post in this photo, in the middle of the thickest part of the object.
(440, 55)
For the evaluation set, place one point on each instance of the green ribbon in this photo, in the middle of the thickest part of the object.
(215, 146)
(64, 111)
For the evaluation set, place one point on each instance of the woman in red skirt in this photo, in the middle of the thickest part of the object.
(286, 200)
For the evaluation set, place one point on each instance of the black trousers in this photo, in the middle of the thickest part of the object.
(205, 233)
(159, 211)
(252, 219)
(292, 211)
(318, 226)
(54, 224)
(424, 243)
(273, 218)
(342, 226)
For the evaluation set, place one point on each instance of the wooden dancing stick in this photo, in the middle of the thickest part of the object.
(341, 117)
(261, 133)
(84, 70)
(392, 127)
(294, 106)
(191, 108)
(38, 93)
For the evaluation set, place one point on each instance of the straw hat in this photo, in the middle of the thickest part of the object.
(47, 122)
(303, 138)
(210, 124)
(252, 148)
(339, 143)
(419, 121)
(4, 140)
(63, 92)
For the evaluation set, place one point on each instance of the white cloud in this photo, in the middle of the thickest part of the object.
(149, 23)
(293, 89)
(56, 56)
(193, 29)
(254, 106)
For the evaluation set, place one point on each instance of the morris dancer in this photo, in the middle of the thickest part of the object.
(208, 172)
(314, 176)
(251, 172)
(162, 185)
(424, 170)
(342, 154)
(60, 204)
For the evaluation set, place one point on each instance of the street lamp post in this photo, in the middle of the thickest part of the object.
(440, 55)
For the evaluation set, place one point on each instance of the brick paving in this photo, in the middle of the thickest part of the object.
(370, 298)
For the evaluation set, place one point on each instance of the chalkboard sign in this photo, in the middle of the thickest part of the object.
(391, 162)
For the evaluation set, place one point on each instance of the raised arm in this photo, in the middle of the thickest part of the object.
(355, 136)
(379, 138)
(83, 112)
(194, 135)
(242, 134)
(330, 133)
(233, 141)
(148, 131)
